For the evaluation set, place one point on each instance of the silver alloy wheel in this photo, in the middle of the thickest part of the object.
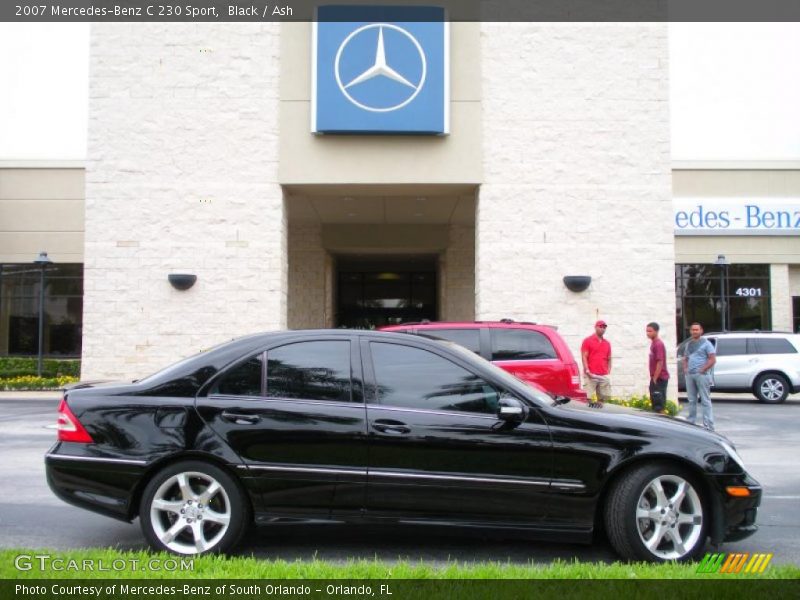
(772, 389)
(190, 512)
(669, 517)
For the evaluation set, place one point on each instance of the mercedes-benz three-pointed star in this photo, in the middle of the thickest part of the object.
(380, 67)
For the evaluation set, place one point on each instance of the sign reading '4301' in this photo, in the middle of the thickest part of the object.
(380, 70)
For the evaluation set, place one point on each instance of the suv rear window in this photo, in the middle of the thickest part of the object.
(774, 346)
(468, 338)
(520, 344)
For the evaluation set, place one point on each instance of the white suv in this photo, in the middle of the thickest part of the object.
(766, 364)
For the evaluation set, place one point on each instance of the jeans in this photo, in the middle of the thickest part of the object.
(699, 385)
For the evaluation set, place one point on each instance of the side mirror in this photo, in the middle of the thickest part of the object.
(511, 409)
(559, 400)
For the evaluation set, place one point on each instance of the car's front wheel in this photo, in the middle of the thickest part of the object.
(656, 513)
(193, 507)
(771, 388)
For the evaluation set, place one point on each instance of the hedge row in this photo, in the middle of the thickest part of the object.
(33, 383)
(12, 366)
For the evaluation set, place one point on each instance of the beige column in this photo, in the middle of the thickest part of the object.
(780, 297)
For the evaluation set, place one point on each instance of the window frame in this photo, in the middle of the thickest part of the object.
(761, 340)
(433, 334)
(356, 396)
(213, 386)
(357, 386)
(371, 381)
(496, 331)
(728, 340)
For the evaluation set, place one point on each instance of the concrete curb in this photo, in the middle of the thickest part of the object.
(36, 395)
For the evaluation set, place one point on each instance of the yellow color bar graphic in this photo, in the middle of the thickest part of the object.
(758, 563)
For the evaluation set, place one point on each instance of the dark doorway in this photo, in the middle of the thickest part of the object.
(375, 291)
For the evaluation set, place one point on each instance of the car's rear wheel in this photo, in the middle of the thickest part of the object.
(193, 507)
(656, 513)
(771, 388)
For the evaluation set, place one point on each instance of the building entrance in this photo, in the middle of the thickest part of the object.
(375, 291)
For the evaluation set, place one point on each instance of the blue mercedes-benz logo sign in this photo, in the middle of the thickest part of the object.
(380, 67)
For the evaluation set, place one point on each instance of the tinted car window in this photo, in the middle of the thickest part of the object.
(774, 346)
(310, 370)
(731, 346)
(244, 380)
(519, 344)
(469, 338)
(415, 378)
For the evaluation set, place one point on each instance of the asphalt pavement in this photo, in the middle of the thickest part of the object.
(767, 437)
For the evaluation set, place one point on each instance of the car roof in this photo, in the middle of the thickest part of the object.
(754, 333)
(503, 324)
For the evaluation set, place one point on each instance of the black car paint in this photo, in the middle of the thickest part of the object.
(313, 460)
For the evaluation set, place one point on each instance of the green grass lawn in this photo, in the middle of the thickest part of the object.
(217, 567)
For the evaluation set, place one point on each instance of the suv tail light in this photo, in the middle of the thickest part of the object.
(575, 374)
(68, 426)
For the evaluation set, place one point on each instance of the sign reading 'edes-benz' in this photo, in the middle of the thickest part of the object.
(388, 75)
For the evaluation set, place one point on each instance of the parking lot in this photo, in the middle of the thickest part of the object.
(767, 436)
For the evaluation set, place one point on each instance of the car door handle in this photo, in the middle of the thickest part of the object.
(240, 418)
(391, 427)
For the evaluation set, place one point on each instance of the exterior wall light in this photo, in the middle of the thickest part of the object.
(577, 283)
(182, 281)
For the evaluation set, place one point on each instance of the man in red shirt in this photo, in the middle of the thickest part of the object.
(596, 355)
(659, 376)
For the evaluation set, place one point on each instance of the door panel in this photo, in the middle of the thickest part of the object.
(454, 460)
(734, 366)
(451, 465)
(304, 434)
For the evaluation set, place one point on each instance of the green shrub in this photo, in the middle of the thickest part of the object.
(33, 383)
(14, 366)
(643, 402)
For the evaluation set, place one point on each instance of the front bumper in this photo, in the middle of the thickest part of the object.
(734, 518)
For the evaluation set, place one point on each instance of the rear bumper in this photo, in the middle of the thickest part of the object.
(102, 485)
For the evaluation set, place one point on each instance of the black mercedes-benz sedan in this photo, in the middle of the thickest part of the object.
(368, 427)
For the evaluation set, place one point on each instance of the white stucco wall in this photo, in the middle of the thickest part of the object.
(577, 181)
(181, 176)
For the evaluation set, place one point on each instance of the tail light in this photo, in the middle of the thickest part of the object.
(69, 428)
(575, 375)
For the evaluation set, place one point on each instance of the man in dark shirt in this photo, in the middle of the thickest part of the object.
(659, 376)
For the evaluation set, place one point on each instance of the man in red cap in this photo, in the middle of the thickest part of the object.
(596, 355)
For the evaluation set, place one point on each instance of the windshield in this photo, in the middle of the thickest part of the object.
(502, 375)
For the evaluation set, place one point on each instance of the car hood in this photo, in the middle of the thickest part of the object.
(612, 414)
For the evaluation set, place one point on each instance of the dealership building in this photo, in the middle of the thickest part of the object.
(359, 174)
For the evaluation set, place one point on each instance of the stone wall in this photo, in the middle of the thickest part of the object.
(181, 176)
(577, 181)
(309, 293)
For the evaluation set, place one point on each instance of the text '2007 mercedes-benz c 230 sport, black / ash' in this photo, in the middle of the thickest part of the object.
(371, 427)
